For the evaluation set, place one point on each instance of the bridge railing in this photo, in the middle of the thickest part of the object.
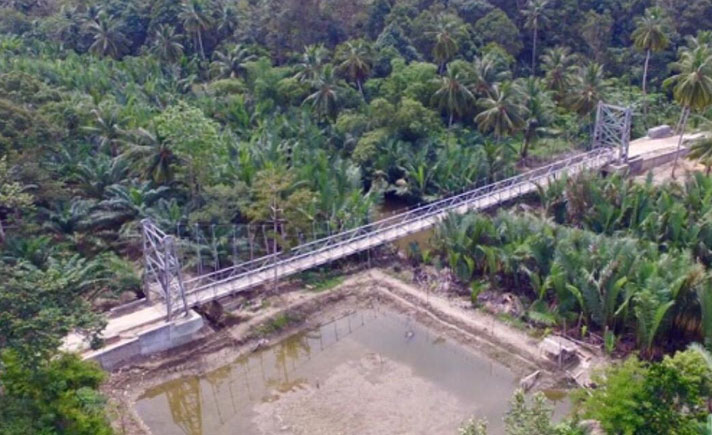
(500, 191)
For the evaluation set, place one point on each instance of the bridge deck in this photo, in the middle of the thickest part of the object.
(281, 266)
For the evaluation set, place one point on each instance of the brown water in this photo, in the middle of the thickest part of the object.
(370, 372)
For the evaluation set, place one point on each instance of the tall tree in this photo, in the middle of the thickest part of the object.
(196, 20)
(534, 18)
(311, 62)
(503, 111)
(487, 71)
(326, 97)
(108, 40)
(590, 88)
(692, 86)
(649, 36)
(446, 33)
(539, 114)
(559, 68)
(231, 62)
(166, 43)
(453, 94)
(355, 62)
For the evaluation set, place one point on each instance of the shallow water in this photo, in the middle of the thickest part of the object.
(368, 372)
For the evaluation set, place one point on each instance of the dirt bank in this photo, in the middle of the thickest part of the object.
(284, 314)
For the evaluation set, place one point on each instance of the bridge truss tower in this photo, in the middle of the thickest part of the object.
(613, 124)
(163, 269)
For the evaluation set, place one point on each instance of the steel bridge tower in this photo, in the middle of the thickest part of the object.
(613, 124)
(163, 269)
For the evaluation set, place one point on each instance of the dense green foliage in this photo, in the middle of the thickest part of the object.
(631, 397)
(669, 396)
(573, 277)
(59, 397)
(525, 416)
(294, 119)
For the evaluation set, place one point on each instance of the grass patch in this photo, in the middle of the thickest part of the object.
(320, 280)
(278, 323)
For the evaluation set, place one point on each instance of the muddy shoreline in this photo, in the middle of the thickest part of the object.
(450, 316)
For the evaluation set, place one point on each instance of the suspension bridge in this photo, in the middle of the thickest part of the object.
(165, 274)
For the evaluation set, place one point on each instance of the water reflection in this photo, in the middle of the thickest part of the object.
(223, 401)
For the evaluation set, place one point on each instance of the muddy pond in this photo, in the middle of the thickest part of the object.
(369, 372)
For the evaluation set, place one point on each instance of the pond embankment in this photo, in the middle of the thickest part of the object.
(264, 322)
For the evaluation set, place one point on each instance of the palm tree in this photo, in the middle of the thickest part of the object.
(539, 114)
(558, 66)
(589, 88)
(311, 63)
(453, 94)
(701, 150)
(325, 98)
(126, 203)
(232, 62)
(108, 40)
(195, 20)
(98, 173)
(154, 153)
(702, 39)
(487, 72)
(534, 18)
(355, 62)
(108, 127)
(166, 43)
(503, 111)
(693, 86)
(445, 48)
(649, 36)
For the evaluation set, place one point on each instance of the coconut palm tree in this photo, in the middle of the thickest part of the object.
(559, 68)
(355, 62)
(453, 94)
(649, 36)
(108, 40)
(446, 33)
(534, 18)
(326, 97)
(166, 43)
(590, 87)
(701, 150)
(230, 63)
(539, 114)
(311, 63)
(195, 20)
(487, 71)
(692, 86)
(702, 39)
(503, 111)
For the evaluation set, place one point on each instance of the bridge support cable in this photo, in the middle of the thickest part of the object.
(611, 139)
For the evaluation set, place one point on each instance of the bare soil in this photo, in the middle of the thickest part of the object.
(451, 316)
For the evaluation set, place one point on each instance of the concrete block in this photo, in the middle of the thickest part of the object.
(169, 335)
(149, 341)
(112, 356)
(660, 132)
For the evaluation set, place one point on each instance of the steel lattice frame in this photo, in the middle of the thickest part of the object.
(612, 128)
(162, 267)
